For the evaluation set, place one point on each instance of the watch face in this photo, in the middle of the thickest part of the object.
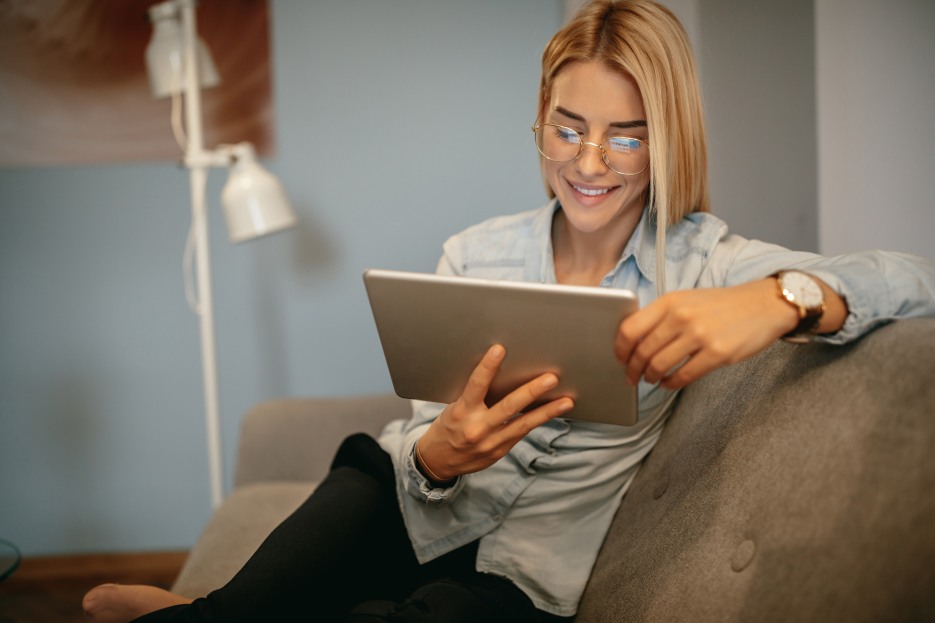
(803, 288)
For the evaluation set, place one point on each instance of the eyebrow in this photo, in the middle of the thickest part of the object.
(636, 123)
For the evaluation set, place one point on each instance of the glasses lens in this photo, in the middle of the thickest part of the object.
(556, 142)
(622, 154)
(626, 155)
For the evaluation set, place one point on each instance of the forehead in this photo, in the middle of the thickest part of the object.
(597, 93)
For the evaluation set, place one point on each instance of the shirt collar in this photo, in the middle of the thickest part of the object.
(641, 246)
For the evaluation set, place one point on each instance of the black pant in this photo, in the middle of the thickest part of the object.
(344, 555)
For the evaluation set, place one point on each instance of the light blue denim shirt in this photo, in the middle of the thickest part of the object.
(542, 511)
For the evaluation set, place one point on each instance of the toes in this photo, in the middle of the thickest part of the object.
(96, 598)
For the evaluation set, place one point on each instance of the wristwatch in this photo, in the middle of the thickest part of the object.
(803, 292)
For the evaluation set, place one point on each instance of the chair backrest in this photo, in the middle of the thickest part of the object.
(796, 486)
(295, 438)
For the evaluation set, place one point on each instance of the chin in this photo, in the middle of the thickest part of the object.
(588, 219)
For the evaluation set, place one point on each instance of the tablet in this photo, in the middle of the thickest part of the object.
(435, 329)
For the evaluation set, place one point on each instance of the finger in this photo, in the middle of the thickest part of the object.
(662, 337)
(633, 329)
(483, 375)
(664, 361)
(519, 427)
(714, 354)
(521, 397)
(693, 369)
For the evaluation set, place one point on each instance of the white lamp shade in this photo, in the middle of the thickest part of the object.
(165, 55)
(254, 201)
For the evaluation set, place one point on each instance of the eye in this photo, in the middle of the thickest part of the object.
(567, 135)
(624, 144)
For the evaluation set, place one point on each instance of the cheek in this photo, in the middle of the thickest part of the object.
(639, 185)
(549, 174)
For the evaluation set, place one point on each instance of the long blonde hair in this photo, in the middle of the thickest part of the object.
(645, 40)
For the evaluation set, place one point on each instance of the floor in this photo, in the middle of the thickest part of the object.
(49, 589)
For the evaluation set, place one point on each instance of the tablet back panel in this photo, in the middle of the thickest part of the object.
(434, 330)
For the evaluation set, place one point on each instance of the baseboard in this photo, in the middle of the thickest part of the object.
(112, 565)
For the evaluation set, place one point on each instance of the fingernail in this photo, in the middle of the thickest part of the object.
(496, 351)
(549, 381)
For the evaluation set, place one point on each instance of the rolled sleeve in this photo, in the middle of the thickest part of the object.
(878, 286)
(423, 489)
(399, 440)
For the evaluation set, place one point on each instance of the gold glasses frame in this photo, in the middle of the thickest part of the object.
(581, 143)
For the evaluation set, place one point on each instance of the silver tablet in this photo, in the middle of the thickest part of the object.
(434, 331)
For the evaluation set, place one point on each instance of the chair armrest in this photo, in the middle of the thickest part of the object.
(295, 439)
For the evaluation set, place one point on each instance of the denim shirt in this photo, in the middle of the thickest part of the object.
(542, 511)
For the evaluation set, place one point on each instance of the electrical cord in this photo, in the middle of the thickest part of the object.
(188, 256)
(7, 568)
(181, 137)
(178, 127)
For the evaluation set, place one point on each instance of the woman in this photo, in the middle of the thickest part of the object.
(468, 512)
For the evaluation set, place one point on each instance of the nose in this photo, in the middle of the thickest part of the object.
(591, 159)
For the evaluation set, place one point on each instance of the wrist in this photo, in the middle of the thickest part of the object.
(785, 318)
(437, 480)
(805, 296)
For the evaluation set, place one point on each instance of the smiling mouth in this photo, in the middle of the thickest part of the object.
(591, 192)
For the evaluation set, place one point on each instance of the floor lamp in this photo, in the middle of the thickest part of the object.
(179, 65)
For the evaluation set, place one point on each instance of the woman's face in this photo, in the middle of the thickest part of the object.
(597, 102)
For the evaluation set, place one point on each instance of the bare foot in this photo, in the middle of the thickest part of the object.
(117, 603)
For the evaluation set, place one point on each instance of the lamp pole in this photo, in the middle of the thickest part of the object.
(198, 161)
(255, 203)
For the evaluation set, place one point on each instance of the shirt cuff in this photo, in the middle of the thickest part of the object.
(424, 489)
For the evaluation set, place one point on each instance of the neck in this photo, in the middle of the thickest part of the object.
(585, 258)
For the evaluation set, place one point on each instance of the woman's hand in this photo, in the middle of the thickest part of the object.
(702, 330)
(469, 436)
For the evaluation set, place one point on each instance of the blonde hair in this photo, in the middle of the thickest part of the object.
(645, 40)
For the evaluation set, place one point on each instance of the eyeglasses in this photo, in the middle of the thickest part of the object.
(622, 154)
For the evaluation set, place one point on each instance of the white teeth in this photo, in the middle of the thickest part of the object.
(591, 192)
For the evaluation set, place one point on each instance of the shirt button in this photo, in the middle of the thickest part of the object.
(743, 555)
(661, 486)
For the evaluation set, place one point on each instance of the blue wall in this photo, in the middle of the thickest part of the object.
(398, 124)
